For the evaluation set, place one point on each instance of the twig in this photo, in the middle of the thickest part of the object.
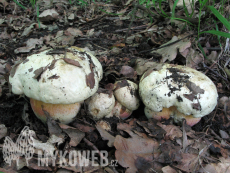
(136, 27)
(205, 66)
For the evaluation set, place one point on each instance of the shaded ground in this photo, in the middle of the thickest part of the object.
(137, 144)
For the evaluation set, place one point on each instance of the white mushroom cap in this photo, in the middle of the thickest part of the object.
(126, 94)
(192, 92)
(101, 104)
(63, 76)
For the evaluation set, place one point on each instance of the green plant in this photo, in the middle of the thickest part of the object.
(224, 21)
(20, 5)
(33, 2)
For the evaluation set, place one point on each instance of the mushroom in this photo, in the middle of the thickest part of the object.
(121, 111)
(178, 92)
(57, 81)
(127, 100)
(101, 104)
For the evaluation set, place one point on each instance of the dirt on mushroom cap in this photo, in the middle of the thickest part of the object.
(50, 78)
(190, 91)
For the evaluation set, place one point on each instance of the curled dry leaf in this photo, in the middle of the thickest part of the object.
(170, 52)
(128, 71)
(75, 135)
(48, 15)
(134, 151)
(168, 169)
(172, 131)
(188, 162)
(222, 166)
(30, 44)
(193, 58)
(73, 32)
(142, 65)
(106, 136)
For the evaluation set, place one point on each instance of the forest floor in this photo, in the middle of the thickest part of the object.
(117, 33)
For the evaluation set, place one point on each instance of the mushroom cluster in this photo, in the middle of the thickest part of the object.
(120, 102)
(126, 94)
(57, 81)
(178, 92)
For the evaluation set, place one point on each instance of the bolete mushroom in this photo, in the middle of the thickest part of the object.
(125, 92)
(101, 104)
(178, 92)
(57, 81)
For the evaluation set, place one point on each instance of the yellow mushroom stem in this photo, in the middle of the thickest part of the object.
(172, 111)
(62, 112)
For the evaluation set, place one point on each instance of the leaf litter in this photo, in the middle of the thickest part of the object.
(138, 144)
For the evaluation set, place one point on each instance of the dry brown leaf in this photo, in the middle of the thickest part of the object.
(193, 58)
(128, 71)
(48, 15)
(170, 52)
(73, 32)
(168, 169)
(188, 163)
(75, 135)
(30, 44)
(72, 62)
(134, 151)
(106, 136)
(90, 80)
(83, 127)
(172, 131)
(222, 167)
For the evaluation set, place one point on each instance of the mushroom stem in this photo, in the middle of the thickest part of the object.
(172, 111)
(62, 112)
(121, 111)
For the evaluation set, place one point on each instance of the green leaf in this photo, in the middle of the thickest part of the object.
(219, 33)
(161, 8)
(20, 4)
(202, 50)
(174, 7)
(203, 3)
(220, 17)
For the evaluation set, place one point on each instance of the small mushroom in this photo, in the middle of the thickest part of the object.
(101, 104)
(127, 100)
(121, 111)
(57, 81)
(178, 92)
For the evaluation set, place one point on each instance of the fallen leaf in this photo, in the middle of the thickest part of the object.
(168, 169)
(172, 131)
(222, 167)
(134, 151)
(48, 15)
(106, 136)
(127, 71)
(72, 62)
(170, 52)
(73, 32)
(90, 80)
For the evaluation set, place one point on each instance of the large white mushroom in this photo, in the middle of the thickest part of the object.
(178, 92)
(57, 81)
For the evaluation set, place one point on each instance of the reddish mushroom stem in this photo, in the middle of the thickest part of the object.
(62, 112)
